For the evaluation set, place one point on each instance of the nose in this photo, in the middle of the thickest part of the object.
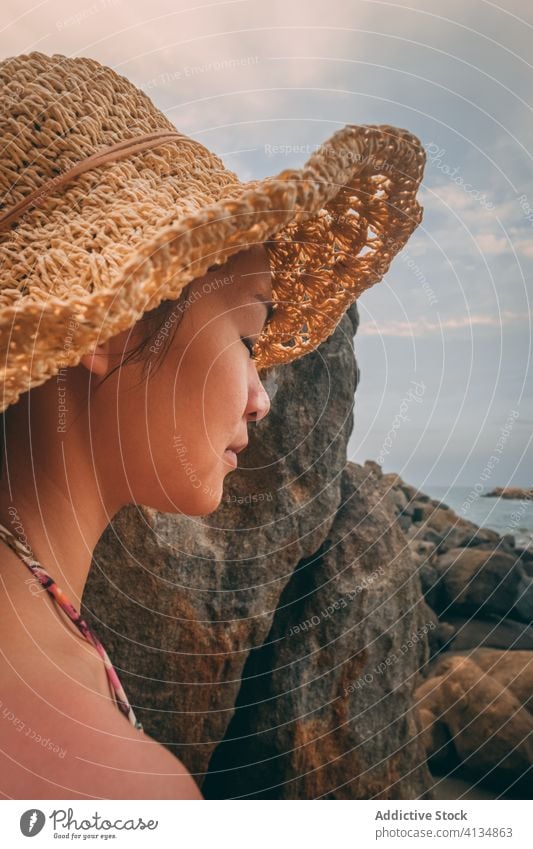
(258, 400)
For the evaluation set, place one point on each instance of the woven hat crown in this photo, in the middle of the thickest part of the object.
(55, 112)
(96, 253)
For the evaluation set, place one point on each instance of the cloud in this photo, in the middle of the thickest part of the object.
(462, 226)
(425, 327)
(488, 243)
(458, 199)
(525, 247)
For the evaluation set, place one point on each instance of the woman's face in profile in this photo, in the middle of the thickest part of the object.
(175, 428)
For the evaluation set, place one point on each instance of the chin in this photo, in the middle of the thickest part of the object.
(197, 495)
(191, 503)
(204, 500)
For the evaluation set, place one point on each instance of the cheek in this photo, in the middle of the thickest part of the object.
(200, 398)
(179, 426)
(225, 393)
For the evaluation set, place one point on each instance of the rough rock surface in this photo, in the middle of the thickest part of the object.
(513, 669)
(471, 716)
(325, 706)
(475, 707)
(478, 582)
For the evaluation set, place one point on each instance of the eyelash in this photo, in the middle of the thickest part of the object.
(248, 344)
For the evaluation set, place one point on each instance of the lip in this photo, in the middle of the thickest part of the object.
(231, 457)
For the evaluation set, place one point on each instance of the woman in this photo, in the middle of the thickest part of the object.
(66, 488)
(109, 286)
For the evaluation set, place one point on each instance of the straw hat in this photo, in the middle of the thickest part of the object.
(106, 210)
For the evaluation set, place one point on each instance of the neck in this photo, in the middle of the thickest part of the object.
(52, 499)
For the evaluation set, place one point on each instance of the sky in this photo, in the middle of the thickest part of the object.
(444, 345)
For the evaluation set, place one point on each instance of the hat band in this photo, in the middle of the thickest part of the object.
(107, 154)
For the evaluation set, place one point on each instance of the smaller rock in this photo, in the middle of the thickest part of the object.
(404, 521)
(474, 578)
(491, 731)
(393, 480)
(375, 467)
(445, 634)
(397, 499)
(523, 608)
(513, 669)
(515, 492)
(489, 632)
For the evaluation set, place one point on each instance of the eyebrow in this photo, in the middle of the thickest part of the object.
(268, 303)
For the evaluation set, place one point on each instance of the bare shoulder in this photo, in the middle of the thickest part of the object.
(134, 765)
(61, 735)
(47, 753)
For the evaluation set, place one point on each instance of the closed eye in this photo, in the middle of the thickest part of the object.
(248, 344)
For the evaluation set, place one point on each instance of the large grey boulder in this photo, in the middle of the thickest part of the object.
(325, 706)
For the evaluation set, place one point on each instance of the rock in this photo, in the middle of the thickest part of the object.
(512, 669)
(423, 551)
(526, 559)
(523, 608)
(431, 585)
(457, 787)
(468, 714)
(438, 637)
(435, 735)
(447, 530)
(352, 313)
(396, 498)
(404, 522)
(372, 467)
(440, 504)
(479, 581)
(409, 509)
(429, 535)
(393, 481)
(515, 492)
(445, 634)
(432, 521)
(324, 708)
(496, 632)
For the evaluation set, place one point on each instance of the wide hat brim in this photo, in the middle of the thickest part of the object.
(93, 256)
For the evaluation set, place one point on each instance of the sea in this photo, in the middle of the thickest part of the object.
(504, 515)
